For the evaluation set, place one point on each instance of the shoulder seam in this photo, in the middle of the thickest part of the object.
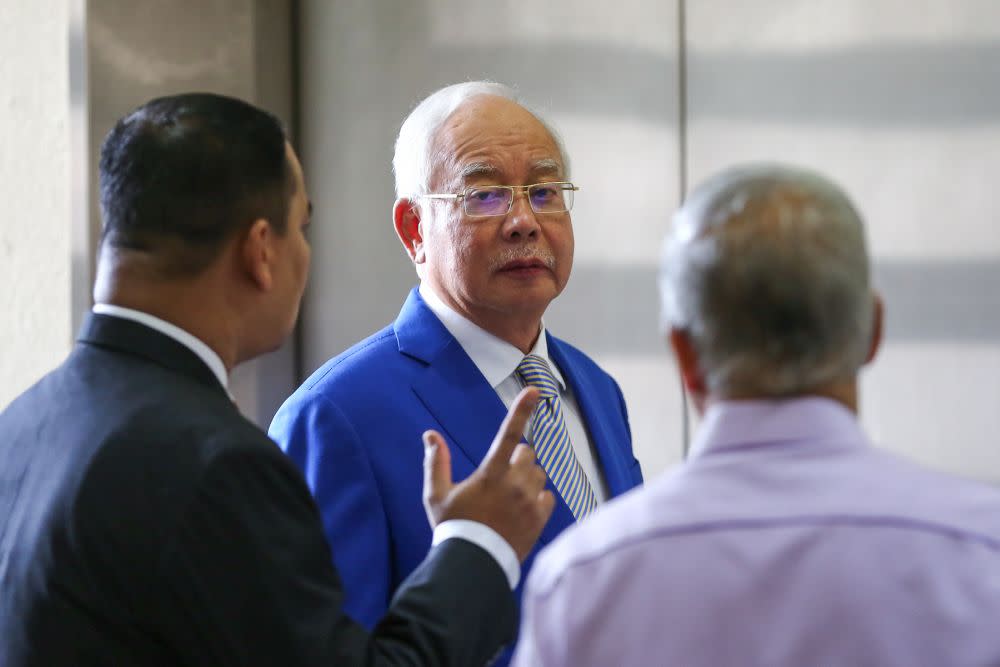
(351, 353)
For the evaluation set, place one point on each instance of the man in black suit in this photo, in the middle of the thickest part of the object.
(143, 521)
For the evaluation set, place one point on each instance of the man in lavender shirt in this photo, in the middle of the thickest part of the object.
(786, 538)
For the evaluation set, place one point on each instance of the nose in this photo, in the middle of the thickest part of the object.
(522, 222)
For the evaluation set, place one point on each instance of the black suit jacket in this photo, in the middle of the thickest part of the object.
(144, 521)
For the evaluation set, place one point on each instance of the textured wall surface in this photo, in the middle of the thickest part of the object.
(35, 330)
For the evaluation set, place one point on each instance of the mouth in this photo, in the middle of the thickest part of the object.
(525, 264)
(526, 268)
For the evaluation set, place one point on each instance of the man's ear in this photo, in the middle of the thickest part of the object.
(406, 219)
(877, 318)
(257, 254)
(687, 361)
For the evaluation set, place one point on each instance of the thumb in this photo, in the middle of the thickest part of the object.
(437, 467)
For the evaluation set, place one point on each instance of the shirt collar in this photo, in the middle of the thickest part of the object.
(732, 425)
(496, 359)
(203, 351)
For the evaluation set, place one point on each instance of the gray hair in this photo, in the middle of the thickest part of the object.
(413, 160)
(766, 269)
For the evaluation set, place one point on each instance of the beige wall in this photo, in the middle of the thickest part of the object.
(35, 325)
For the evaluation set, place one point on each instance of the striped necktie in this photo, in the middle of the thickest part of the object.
(551, 439)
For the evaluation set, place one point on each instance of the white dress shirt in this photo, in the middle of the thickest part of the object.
(477, 533)
(497, 360)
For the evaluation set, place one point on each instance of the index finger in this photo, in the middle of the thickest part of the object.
(510, 433)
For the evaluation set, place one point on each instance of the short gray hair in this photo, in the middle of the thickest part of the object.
(413, 160)
(766, 269)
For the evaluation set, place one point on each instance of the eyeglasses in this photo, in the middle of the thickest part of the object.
(481, 201)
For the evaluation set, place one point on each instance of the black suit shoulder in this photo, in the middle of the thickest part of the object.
(152, 524)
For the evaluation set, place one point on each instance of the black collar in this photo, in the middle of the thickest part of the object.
(137, 339)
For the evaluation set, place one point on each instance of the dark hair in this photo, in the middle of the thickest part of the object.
(181, 174)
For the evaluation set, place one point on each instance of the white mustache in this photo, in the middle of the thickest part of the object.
(522, 253)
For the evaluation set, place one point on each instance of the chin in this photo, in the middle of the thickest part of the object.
(540, 293)
(528, 301)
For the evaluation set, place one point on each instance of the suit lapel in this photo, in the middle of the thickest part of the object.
(609, 452)
(450, 386)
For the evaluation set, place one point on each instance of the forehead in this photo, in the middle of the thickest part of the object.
(495, 137)
(298, 196)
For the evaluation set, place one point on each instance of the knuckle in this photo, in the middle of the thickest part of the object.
(516, 493)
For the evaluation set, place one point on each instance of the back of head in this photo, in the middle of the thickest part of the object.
(766, 269)
(181, 174)
(414, 157)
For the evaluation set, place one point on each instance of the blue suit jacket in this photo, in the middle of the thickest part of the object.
(354, 428)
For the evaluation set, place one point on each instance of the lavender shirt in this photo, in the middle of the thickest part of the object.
(786, 539)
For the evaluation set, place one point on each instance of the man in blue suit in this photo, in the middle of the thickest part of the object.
(483, 212)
